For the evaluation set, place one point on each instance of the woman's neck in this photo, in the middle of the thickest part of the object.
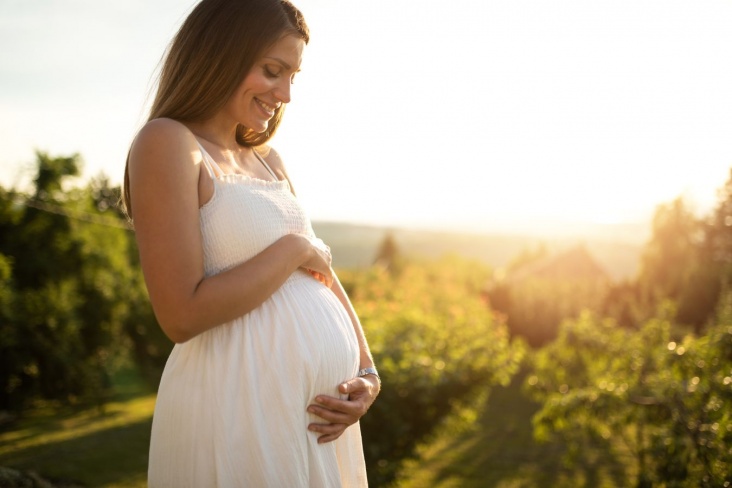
(218, 133)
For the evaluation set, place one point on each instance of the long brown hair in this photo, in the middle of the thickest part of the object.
(212, 52)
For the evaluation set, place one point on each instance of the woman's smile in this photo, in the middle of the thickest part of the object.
(268, 109)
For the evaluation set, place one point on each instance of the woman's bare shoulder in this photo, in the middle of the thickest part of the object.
(162, 143)
(162, 131)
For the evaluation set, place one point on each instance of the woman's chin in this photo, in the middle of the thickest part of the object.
(258, 128)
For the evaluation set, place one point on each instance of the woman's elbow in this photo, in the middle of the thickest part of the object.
(177, 326)
(177, 336)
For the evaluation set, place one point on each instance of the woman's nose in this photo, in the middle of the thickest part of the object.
(282, 91)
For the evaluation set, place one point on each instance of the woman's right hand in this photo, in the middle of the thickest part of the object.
(318, 264)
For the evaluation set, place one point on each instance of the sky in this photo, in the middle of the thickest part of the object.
(479, 115)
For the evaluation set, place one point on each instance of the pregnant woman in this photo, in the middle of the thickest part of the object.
(271, 371)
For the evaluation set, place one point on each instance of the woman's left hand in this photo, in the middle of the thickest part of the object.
(339, 414)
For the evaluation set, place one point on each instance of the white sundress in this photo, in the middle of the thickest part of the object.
(231, 407)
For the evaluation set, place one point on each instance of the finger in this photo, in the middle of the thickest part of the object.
(317, 275)
(328, 438)
(329, 432)
(327, 429)
(332, 416)
(353, 385)
(361, 394)
(335, 404)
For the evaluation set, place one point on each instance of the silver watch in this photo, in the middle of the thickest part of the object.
(365, 371)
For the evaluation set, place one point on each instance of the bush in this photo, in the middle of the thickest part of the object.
(669, 399)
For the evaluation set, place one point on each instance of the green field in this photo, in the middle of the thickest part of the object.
(91, 447)
(109, 448)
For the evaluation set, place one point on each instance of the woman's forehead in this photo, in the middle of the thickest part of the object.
(287, 51)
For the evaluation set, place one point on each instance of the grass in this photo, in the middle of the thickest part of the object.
(499, 451)
(91, 447)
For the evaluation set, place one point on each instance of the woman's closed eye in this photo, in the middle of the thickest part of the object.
(272, 72)
(275, 72)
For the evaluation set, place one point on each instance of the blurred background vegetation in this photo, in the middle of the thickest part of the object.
(510, 362)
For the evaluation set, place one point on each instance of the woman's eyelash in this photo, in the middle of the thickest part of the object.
(271, 74)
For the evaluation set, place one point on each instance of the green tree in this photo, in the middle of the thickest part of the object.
(669, 257)
(67, 264)
(388, 254)
(719, 230)
(628, 303)
(677, 264)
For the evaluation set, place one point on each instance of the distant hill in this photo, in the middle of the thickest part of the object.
(355, 245)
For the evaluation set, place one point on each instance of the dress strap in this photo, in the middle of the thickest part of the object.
(209, 162)
(261, 159)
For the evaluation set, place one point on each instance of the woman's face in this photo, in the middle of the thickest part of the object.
(267, 85)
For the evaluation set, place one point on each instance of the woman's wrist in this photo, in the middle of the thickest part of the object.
(369, 371)
(301, 248)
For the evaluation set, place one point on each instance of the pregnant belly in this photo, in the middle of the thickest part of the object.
(304, 328)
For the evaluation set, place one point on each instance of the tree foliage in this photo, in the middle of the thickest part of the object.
(668, 399)
(438, 348)
(677, 264)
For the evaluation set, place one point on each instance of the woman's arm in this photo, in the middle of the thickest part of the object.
(164, 168)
